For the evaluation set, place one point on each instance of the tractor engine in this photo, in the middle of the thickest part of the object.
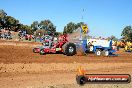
(47, 41)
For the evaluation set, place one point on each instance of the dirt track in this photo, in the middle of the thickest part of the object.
(19, 67)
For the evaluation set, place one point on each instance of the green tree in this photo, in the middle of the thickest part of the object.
(11, 22)
(79, 24)
(127, 33)
(26, 28)
(58, 33)
(48, 26)
(18, 27)
(8, 21)
(113, 38)
(35, 25)
(3, 15)
(39, 33)
(69, 28)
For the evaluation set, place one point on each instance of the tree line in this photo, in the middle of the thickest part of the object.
(46, 26)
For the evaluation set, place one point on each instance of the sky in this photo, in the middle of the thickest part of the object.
(103, 17)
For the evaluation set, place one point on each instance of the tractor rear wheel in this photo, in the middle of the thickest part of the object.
(69, 49)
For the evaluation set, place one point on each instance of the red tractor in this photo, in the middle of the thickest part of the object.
(53, 45)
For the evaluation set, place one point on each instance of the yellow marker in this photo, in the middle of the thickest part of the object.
(84, 29)
(81, 71)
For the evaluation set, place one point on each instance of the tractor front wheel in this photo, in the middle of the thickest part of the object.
(41, 52)
(34, 50)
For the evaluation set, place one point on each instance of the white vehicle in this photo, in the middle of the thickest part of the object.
(100, 47)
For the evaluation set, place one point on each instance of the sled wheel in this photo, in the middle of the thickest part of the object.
(105, 53)
(98, 52)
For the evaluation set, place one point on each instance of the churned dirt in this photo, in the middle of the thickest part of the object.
(21, 68)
